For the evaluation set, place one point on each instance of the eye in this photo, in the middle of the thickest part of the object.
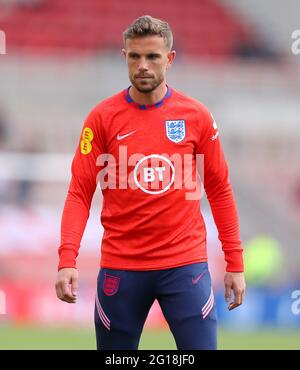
(153, 56)
(134, 56)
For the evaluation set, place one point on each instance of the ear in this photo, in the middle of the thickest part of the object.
(171, 57)
(124, 53)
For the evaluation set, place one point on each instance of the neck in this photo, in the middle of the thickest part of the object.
(148, 98)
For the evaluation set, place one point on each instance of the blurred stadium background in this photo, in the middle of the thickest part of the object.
(62, 58)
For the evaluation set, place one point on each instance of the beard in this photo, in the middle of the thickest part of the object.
(148, 85)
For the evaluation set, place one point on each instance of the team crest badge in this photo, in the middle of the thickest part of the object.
(175, 130)
(111, 284)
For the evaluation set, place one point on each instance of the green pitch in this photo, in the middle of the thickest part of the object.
(58, 338)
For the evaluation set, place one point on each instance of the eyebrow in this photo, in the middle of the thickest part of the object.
(133, 54)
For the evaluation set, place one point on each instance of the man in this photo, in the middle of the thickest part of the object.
(154, 242)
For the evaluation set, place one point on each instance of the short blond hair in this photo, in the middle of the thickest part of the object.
(149, 26)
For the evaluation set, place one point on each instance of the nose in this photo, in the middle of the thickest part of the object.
(143, 65)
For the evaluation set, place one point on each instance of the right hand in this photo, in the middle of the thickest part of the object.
(234, 281)
(67, 284)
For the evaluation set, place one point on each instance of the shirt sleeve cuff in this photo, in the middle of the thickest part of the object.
(67, 258)
(235, 262)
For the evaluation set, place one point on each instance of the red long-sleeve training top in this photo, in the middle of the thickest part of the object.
(145, 160)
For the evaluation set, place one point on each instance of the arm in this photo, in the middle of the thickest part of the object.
(77, 206)
(221, 198)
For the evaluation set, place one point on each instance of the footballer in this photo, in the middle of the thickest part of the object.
(142, 147)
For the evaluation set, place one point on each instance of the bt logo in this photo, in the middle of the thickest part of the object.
(149, 173)
(159, 175)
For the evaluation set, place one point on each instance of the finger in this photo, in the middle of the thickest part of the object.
(74, 286)
(63, 291)
(68, 299)
(238, 296)
(227, 293)
(58, 290)
(63, 297)
(60, 294)
(232, 306)
(243, 296)
(238, 300)
(66, 292)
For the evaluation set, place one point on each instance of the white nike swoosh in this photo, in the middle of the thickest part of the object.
(120, 137)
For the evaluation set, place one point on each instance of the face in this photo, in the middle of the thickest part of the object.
(148, 60)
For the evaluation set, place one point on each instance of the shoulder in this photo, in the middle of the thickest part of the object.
(200, 111)
(190, 103)
(108, 105)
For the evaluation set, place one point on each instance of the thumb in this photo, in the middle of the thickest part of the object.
(74, 286)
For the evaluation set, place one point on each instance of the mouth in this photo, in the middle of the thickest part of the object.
(143, 77)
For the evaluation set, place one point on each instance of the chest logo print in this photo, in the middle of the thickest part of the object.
(175, 130)
(120, 137)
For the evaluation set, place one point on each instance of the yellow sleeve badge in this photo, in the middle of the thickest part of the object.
(86, 141)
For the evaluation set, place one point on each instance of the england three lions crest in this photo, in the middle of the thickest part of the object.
(110, 284)
(175, 130)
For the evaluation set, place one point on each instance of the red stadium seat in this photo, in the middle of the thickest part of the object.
(202, 28)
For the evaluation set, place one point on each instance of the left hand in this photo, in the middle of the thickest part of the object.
(234, 281)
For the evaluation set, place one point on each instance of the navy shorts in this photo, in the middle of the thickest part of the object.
(185, 296)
